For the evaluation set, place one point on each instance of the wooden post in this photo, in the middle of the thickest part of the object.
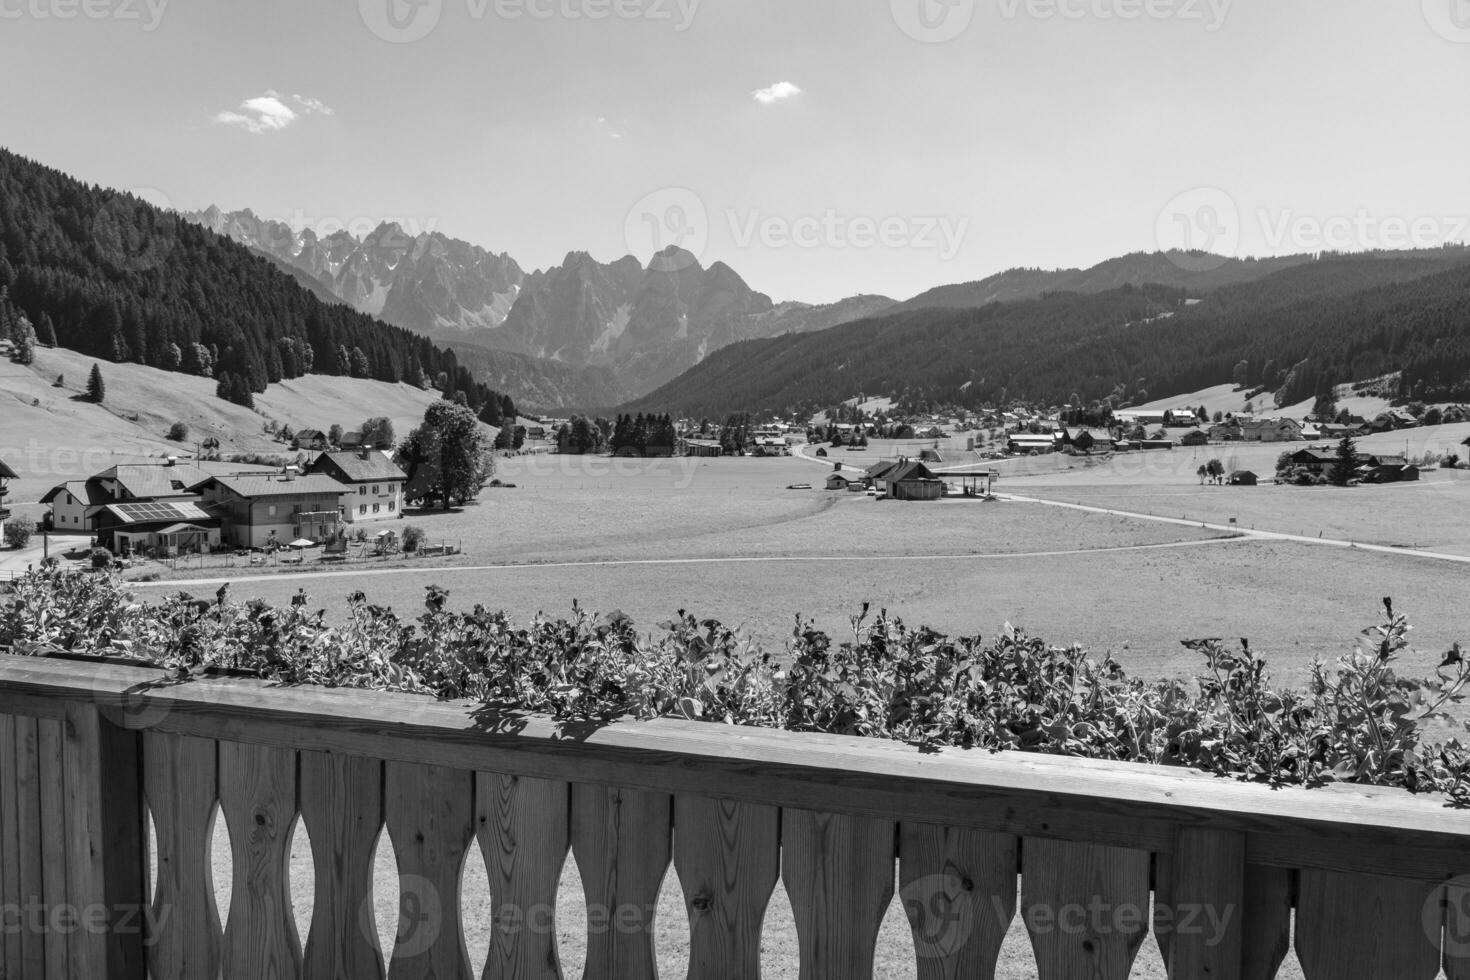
(106, 844)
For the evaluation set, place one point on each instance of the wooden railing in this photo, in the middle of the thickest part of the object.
(1362, 882)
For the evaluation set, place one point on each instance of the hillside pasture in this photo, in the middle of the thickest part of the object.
(50, 435)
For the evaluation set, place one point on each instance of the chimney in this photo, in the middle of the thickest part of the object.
(172, 461)
(364, 453)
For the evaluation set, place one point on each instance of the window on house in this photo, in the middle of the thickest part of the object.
(271, 510)
(376, 508)
(362, 508)
(362, 491)
(392, 505)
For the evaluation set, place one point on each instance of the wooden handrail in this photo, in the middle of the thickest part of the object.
(1185, 819)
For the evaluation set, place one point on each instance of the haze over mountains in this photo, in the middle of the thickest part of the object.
(582, 333)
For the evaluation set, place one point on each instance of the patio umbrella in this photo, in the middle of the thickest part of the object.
(302, 543)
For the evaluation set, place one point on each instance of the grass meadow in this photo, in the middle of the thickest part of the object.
(757, 555)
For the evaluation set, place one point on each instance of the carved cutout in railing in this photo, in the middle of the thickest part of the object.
(1374, 878)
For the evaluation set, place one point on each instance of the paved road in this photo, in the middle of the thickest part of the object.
(1242, 532)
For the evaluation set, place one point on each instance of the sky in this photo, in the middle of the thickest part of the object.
(821, 148)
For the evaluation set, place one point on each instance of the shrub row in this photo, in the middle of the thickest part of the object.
(1356, 721)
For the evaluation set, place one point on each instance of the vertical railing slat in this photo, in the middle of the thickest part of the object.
(958, 889)
(106, 844)
(838, 872)
(1198, 908)
(50, 740)
(430, 813)
(524, 834)
(257, 792)
(1267, 922)
(622, 844)
(342, 809)
(728, 856)
(10, 897)
(1085, 907)
(32, 904)
(181, 782)
(1365, 927)
(1457, 929)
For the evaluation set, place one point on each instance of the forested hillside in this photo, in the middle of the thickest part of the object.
(1301, 330)
(111, 276)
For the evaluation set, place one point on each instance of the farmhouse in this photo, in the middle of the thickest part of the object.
(1244, 478)
(79, 505)
(1087, 441)
(837, 480)
(167, 528)
(876, 475)
(912, 480)
(1228, 431)
(1270, 430)
(311, 440)
(702, 447)
(372, 484)
(1388, 469)
(1024, 442)
(1195, 437)
(274, 509)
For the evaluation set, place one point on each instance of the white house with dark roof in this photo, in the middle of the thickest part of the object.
(372, 484)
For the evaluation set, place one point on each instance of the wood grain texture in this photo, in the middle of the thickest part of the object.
(181, 783)
(106, 843)
(1340, 828)
(257, 792)
(50, 738)
(1267, 925)
(10, 940)
(728, 857)
(1085, 907)
(958, 889)
(838, 872)
(1362, 928)
(430, 813)
(524, 832)
(342, 809)
(32, 897)
(621, 839)
(1199, 905)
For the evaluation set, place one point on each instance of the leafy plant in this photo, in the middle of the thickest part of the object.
(1356, 721)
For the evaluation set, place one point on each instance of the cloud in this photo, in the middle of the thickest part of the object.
(272, 112)
(776, 93)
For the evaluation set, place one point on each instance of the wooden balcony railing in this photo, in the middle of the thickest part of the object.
(1362, 882)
